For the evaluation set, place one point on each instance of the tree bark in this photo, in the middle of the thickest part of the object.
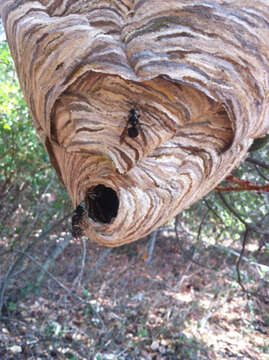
(195, 74)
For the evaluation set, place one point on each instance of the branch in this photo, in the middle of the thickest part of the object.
(52, 257)
(244, 185)
(70, 292)
(237, 254)
(15, 263)
(187, 254)
(240, 258)
(257, 188)
(5, 283)
(264, 298)
(92, 271)
(235, 213)
(82, 269)
(152, 241)
(258, 162)
(261, 174)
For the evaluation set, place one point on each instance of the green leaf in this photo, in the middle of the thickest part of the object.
(85, 293)
(11, 306)
(6, 127)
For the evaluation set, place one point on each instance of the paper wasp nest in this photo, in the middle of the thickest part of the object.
(143, 106)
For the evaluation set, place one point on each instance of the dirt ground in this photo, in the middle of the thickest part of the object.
(107, 304)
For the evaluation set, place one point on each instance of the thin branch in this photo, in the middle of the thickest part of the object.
(78, 279)
(152, 241)
(259, 189)
(242, 185)
(264, 298)
(187, 254)
(36, 210)
(240, 258)
(200, 226)
(235, 213)
(30, 246)
(261, 174)
(52, 257)
(49, 274)
(5, 283)
(237, 254)
(224, 227)
(213, 210)
(214, 306)
(92, 271)
(262, 243)
(69, 292)
(258, 162)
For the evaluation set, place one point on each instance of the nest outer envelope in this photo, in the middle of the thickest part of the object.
(196, 72)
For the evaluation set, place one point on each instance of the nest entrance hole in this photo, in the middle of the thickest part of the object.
(102, 203)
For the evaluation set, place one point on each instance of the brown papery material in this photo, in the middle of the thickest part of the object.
(195, 72)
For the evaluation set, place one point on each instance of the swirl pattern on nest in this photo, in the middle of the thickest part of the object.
(196, 73)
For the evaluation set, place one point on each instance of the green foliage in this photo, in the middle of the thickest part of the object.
(86, 293)
(88, 311)
(11, 306)
(142, 331)
(30, 288)
(54, 329)
(21, 153)
(70, 356)
(25, 169)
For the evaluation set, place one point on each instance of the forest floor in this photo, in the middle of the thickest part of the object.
(113, 305)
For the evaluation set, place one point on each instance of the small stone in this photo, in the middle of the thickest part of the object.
(16, 349)
(164, 342)
(155, 345)
(110, 357)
